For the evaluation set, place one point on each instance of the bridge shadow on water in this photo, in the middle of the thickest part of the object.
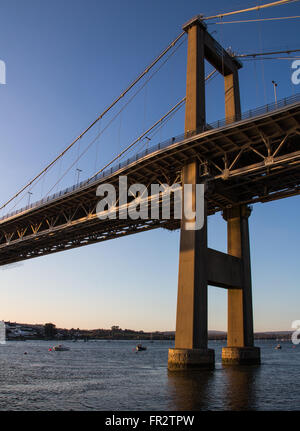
(225, 388)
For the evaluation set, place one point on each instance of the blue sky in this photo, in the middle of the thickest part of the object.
(66, 61)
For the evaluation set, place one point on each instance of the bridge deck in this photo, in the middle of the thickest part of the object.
(252, 160)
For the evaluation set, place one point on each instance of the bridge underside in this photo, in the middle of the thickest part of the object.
(254, 160)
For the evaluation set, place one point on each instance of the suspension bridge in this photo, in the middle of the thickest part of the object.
(246, 158)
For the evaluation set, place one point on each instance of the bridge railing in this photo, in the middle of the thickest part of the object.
(215, 125)
(258, 111)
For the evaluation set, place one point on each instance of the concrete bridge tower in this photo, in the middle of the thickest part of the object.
(200, 266)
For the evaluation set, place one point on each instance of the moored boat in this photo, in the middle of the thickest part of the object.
(60, 348)
(139, 348)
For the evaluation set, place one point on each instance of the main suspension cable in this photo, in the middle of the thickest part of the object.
(154, 62)
(117, 114)
(276, 3)
(256, 20)
(139, 138)
(272, 58)
(256, 54)
(147, 131)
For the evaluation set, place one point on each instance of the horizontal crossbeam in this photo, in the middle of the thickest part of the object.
(223, 270)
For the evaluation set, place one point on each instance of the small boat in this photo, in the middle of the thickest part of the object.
(278, 347)
(139, 348)
(60, 348)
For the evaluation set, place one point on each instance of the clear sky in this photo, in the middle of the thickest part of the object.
(66, 61)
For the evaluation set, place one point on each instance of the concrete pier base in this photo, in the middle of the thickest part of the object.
(191, 359)
(241, 355)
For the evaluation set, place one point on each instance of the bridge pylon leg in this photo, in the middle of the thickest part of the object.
(191, 323)
(232, 97)
(240, 349)
(191, 350)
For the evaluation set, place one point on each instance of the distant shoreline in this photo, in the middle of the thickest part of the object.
(49, 331)
(270, 336)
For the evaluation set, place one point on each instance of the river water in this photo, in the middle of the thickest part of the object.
(110, 375)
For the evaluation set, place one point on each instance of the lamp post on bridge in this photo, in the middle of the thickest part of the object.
(275, 93)
(148, 140)
(29, 196)
(78, 173)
